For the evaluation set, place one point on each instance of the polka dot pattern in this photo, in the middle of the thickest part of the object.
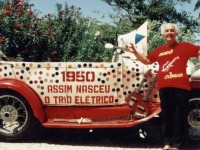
(50, 80)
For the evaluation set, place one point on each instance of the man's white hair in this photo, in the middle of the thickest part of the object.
(164, 25)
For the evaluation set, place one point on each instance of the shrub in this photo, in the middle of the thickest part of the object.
(65, 36)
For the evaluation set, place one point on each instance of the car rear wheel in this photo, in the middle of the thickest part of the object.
(194, 118)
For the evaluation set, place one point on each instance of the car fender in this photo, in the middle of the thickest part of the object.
(195, 84)
(28, 93)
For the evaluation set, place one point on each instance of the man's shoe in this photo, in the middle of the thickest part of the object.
(167, 147)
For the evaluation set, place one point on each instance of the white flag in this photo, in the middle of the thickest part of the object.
(138, 37)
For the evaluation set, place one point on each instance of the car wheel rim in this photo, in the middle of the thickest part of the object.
(13, 114)
(194, 118)
(194, 133)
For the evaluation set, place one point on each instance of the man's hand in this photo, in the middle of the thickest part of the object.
(140, 57)
(131, 48)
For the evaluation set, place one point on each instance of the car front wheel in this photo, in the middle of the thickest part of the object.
(16, 118)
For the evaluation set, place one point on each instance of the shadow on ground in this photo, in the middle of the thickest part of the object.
(122, 137)
(127, 138)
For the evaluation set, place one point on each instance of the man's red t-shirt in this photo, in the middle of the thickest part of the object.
(172, 64)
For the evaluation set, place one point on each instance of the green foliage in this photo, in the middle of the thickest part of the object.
(156, 37)
(65, 36)
(130, 14)
(68, 36)
(197, 6)
(136, 12)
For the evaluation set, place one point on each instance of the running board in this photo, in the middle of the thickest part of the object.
(114, 122)
(81, 120)
(88, 120)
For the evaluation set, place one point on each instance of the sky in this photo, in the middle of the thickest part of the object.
(89, 7)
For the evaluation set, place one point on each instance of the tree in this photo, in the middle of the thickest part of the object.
(65, 36)
(138, 11)
(197, 6)
(132, 13)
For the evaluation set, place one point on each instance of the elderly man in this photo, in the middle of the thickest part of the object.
(173, 84)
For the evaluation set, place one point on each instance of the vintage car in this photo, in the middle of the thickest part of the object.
(87, 95)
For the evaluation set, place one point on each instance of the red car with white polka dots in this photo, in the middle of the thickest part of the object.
(85, 95)
(75, 95)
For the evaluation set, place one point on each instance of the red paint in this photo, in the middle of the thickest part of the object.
(195, 84)
(94, 113)
(27, 93)
(78, 76)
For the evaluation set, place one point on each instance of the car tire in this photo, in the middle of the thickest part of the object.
(194, 118)
(16, 117)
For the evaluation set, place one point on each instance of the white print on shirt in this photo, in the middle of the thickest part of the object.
(166, 53)
(168, 64)
(171, 75)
